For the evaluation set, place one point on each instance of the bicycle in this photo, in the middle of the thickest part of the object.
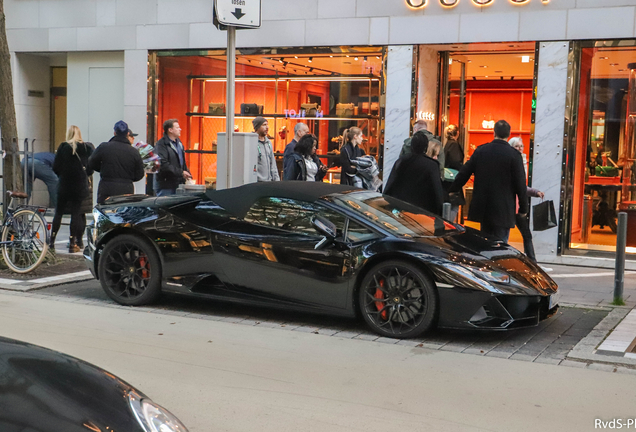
(25, 235)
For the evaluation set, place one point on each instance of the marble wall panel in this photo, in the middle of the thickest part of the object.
(427, 86)
(548, 138)
(398, 103)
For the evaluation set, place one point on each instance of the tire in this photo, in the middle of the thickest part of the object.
(29, 243)
(398, 300)
(130, 270)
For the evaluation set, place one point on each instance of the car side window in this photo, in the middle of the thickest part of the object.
(356, 232)
(291, 215)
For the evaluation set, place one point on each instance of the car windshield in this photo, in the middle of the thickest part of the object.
(401, 218)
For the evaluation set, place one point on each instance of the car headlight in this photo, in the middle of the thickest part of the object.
(482, 276)
(152, 417)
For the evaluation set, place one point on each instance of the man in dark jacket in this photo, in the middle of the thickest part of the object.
(422, 126)
(499, 180)
(119, 164)
(300, 130)
(415, 178)
(173, 170)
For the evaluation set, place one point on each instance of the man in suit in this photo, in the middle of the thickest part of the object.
(499, 180)
(173, 170)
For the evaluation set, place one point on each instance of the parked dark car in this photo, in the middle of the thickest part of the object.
(46, 391)
(316, 247)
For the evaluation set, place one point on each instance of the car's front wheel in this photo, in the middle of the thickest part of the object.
(130, 270)
(398, 300)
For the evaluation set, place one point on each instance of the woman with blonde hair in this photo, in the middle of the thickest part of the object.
(351, 140)
(71, 161)
(433, 150)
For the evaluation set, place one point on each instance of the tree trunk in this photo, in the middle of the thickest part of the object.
(11, 167)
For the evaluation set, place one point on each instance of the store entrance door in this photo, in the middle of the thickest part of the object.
(483, 84)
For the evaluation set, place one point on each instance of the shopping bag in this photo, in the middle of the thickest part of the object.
(449, 174)
(543, 216)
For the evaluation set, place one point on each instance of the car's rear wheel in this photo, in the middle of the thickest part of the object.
(398, 300)
(130, 270)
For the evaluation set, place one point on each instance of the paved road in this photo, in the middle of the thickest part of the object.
(547, 343)
(220, 376)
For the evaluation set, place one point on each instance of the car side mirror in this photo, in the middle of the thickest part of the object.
(326, 228)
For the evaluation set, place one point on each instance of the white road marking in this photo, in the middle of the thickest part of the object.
(582, 275)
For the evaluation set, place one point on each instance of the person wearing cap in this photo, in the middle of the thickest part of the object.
(119, 164)
(266, 169)
(173, 170)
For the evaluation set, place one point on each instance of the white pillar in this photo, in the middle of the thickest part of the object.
(399, 83)
(136, 98)
(548, 137)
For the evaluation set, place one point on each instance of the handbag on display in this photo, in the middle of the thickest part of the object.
(344, 110)
(606, 171)
(216, 108)
(310, 109)
(543, 216)
(251, 109)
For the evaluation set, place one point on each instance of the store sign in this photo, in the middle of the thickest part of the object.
(418, 4)
(421, 115)
(238, 13)
(290, 113)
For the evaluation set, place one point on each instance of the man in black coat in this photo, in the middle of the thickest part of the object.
(119, 164)
(415, 178)
(500, 180)
(173, 170)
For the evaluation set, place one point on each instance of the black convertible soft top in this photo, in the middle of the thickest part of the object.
(238, 200)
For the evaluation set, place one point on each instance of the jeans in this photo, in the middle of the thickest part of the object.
(499, 232)
(524, 228)
(165, 192)
(45, 173)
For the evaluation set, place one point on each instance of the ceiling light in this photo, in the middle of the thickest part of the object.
(295, 56)
(525, 59)
(378, 57)
(311, 59)
(486, 76)
(450, 61)
(483, 67)
(347, 56)
(330, 56)
(603, 58)
(613, 64)
(280, 60)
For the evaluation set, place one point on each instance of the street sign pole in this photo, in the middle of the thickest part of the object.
(230, 95)
(231, 14)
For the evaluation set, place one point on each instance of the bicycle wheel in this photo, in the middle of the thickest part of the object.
(24, 241)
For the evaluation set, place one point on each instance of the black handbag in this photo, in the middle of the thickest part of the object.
(543, 216)
(251, 109)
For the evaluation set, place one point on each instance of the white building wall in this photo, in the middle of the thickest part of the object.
(96, 25)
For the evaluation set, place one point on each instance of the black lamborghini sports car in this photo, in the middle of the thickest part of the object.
(316, 247)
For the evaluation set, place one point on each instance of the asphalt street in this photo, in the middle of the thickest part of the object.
(549, 342)
(219, 375)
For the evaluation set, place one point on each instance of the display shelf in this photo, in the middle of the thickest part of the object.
(283, 116)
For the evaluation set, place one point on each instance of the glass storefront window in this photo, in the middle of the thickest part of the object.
(329, 89)
(604, 181)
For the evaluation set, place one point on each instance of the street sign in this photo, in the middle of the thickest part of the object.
(239, 13)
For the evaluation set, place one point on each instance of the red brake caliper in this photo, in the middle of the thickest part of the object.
(144, 269)
(380, 295)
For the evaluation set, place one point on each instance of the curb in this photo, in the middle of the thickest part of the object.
(586, 349)
(23, 285)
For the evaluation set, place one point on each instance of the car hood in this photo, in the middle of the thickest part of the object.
(44, 390)
(473, 249)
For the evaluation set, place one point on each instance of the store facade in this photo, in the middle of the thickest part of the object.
(557, 70)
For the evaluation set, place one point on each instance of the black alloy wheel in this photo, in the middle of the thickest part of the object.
(130, 270)
(398, 300)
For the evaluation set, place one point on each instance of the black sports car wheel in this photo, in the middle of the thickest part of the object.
(130, 271)
(398, 300)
